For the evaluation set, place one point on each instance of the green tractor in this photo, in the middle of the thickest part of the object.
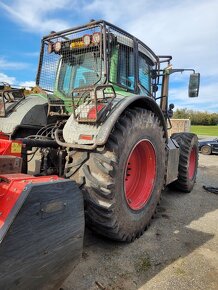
(100, 117)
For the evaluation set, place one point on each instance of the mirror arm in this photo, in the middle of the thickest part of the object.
(181, 70)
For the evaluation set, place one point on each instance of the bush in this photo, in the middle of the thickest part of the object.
(197, 117)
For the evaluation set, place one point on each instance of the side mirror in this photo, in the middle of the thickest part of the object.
(194, 83)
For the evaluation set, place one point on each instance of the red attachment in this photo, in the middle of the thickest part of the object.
(92, 114)
(140, 174)
(12, 186)
(3, 136)
(9, 147)
(192, 164)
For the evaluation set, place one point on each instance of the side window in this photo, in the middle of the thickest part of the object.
(114, 56)
(64, 77)
(126, 68)
(144, 73)
(67, 79)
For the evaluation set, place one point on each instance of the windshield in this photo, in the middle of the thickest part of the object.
(78, 71)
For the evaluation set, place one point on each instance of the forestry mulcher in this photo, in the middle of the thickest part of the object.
(94, 130)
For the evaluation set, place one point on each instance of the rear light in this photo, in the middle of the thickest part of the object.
(85, 137)
(96, 37)
(87, 39)
(92, 114)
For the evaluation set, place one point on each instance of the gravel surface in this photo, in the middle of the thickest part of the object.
(178, 251)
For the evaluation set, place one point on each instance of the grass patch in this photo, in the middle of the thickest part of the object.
(205, 130)
(179, 271)
(143, 264)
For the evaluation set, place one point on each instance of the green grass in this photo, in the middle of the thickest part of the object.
(143, 264)
(205, 130)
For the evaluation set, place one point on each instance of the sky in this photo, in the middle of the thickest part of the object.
(185, 29)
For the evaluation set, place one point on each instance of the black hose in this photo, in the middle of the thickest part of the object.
(38, 143)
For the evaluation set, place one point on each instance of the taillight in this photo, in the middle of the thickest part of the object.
(92, 114)
(85, 137)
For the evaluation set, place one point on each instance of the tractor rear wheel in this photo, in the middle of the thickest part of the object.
(188, 161)
(124, 179)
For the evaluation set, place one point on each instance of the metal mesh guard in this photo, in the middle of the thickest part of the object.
(68, 63)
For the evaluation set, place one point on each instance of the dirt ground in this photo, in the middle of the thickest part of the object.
(178, 251)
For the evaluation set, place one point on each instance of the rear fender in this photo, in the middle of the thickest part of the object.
(134, 101)
(99, 133)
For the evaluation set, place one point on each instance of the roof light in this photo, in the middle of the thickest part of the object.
(50, 47)
(96, 37)
(57, 46)
(87, 39)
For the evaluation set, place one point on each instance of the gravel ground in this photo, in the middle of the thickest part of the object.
(178, 251)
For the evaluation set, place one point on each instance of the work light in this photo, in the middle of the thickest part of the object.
(57, 46)
(50, 48)
(86, 39)
(96, 37)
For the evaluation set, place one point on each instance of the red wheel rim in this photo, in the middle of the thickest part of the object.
(192, 163)
(140, 173)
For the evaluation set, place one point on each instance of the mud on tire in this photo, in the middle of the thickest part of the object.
(107, 209)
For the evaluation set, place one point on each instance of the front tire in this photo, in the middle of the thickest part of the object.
(123, 181)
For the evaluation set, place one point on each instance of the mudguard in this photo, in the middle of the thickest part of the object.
(135, 101)
(41, 231)
(99, 133)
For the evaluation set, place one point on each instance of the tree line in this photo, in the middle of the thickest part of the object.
(197, 117)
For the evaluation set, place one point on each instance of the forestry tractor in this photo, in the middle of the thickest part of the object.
(91, 140)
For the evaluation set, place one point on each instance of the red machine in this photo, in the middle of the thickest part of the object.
(41, 225)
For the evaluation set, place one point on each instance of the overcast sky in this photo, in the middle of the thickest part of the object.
(185, 29)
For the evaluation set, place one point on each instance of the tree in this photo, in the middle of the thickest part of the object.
(197, 117)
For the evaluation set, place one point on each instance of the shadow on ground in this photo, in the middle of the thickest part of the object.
(110, 265)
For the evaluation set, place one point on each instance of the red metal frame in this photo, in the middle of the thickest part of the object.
(3, 136)
(11, 188)
(9, 147)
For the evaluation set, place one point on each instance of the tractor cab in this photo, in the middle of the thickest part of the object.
(90, 66)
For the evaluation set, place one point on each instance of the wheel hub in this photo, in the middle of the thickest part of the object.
(140, 174)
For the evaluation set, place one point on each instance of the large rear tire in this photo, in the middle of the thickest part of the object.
(188, 161)
(124, 179)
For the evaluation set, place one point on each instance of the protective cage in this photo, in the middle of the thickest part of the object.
(79, 66)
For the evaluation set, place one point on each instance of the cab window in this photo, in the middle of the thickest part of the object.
(126, 68)
(144, 72)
